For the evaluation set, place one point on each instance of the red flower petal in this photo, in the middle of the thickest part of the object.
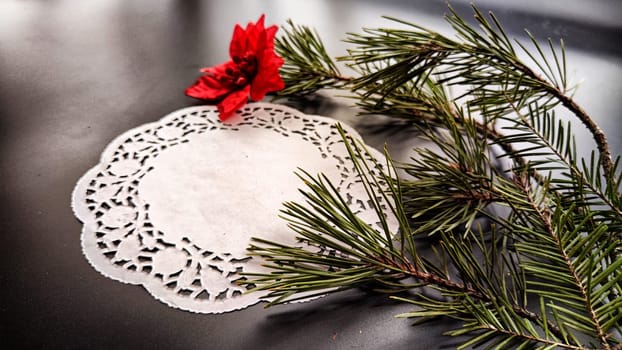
(239, 42)
(207, 88)
(255, 35)
(267, 78)
(233, 102)
(270, 34)
(220, 69)
(214, 84)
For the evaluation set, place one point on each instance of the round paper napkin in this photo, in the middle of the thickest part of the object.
(172, 205)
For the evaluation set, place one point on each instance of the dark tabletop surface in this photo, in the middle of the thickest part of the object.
(75, 74)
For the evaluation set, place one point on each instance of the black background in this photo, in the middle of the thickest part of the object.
(75, 74)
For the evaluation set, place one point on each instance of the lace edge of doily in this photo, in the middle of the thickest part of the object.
(97, 261)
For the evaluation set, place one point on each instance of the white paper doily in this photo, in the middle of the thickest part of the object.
(172, 204)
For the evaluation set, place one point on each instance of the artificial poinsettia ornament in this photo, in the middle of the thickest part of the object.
(253, 70)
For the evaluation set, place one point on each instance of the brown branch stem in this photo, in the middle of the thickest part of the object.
(599, 135)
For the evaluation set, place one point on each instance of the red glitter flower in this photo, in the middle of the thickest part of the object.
(252, 71)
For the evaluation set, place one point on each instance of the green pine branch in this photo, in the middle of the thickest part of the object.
(525, 256)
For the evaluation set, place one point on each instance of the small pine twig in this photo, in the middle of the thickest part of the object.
(434, 279)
